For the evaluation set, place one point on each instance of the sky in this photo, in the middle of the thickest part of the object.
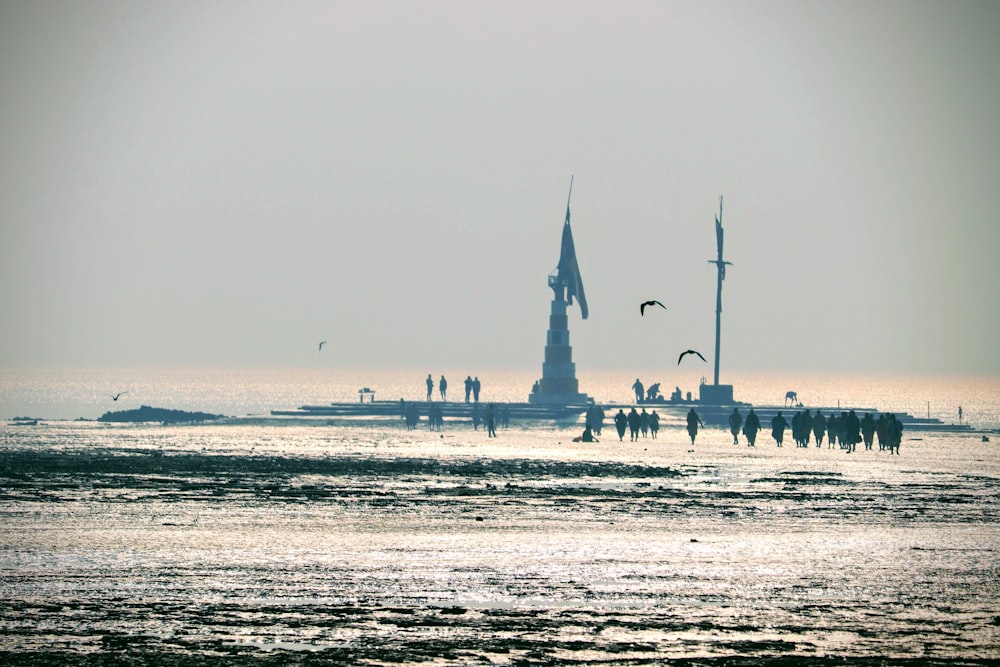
(227, 183)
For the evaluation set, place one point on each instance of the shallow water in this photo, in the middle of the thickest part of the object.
(262, 539)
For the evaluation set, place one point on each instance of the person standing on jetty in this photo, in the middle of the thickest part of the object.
(475, 389)
(751, 427)
(430, 387)
(778, 426)
(443, 388)
(694, 421)
(735, 422)
(468, 387)
(621, 423)
(637, 388)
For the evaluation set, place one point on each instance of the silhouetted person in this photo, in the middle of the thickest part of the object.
(735, 422)
(842, 433)
(895, 431)
(491, 421)
(819, 427)
(595, 418)
(644, 422)
(430, 386)
(412, 416)
(832, 429)
(751, 427)
(588, 435)
(804, 428)
(653, 391)
(504, 416)
(882, 431)
(435, 417)
(852, 429)
(621, 423)
(476, 417)
(637, 388)
(443, 388)
(778, 426)
(634, 421)
(475, 389)
(654, 424)
(868, 429)
(693, 421)
(468, 387)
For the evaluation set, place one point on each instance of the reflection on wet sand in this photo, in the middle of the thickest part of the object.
(281, 545)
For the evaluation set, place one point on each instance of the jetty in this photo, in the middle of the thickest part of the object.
(712, 415)
(451, 410)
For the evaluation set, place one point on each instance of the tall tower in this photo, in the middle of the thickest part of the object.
(716, 393)
(559, 385)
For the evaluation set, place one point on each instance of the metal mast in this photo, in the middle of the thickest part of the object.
(721, 265)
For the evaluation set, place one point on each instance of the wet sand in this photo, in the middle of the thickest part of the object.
(308, 545)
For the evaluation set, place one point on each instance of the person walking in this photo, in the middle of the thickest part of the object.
(819, 427)
(491, 421)
(852, 428)
(633, 425)
(778, 426)
(621, 424)
(693, 422)
(735, 422)
(868, 429)
(751, 427)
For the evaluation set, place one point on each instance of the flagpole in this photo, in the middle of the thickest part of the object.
(570, 196)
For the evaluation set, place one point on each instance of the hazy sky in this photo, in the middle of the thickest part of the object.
(228, 183)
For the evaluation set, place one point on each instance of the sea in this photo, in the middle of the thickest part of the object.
(264, 540)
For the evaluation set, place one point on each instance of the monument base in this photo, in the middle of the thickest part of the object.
(716, 394)
(540, 398)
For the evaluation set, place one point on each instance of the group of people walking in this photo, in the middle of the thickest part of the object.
(637, 423)
(846, 428)
(643, 423)
(472, 387)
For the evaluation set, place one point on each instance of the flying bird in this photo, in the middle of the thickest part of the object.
(689, 352)
(642, 306)
(115, 397)
(321, 344)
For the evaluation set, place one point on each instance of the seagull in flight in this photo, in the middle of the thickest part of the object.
(642, 306)
(321, 344)
(115, 397)
(689, 352)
